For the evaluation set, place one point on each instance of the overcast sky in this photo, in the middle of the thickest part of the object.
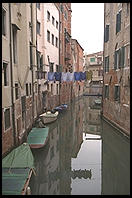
(87, 25)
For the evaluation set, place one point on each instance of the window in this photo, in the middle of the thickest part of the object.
(30, 87)
(60, 26)
(5, 68)
(61, 7)
(106, 33)
(106, 69)
(119, 58)
(92, 59)
(3, 22)
(52, 39)
(16, 91)
(57, 24)
(56, 42)
(38, 27)
(38, 59)
(14, 44)
(7, 118)
(51, 67)
(52, 88)
(48, 36)
(118, 22)
(38, 6)
(53, 20)
(106, 91)
(65, 14)
(57, 90)
(31, 58)
(48, 15)
(57, 68)
(26, 89)
(117, 93)
(123, 56)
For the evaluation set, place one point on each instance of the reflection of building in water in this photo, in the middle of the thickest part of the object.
(91, 117)
(78, 128)
(53, 167)
(46, 162)
(115, 162)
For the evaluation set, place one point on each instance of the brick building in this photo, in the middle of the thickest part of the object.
(65, 63)
(116, 92)
(77, 61)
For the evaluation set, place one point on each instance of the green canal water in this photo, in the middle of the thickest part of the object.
(84, 155)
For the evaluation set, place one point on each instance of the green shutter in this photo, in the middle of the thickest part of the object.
(122, 56)
(119, 21)
(107, 63)
(117, 16)
(115, 60)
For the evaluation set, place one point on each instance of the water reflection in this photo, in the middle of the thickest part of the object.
(81, 157)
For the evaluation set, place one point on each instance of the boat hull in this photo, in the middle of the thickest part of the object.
(49, 117)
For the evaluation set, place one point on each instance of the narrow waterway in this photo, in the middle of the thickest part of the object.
(84, 155)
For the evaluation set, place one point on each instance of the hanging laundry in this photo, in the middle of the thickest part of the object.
(51, 76)
(83, 75)
(70, 76)
(64, 76)
(58, 76)
(77, 75)
(89, 75)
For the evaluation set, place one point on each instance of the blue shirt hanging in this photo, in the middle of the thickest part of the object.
(83, 75)
(51, 76)
(77, 75)
(57, 76)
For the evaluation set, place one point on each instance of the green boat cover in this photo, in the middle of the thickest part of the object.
(13, 180)
(20, 157)
(15, 169)
(38, 135)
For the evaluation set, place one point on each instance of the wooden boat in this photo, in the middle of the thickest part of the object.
(38, 137)
(17, 168)
(61, 108)
(49, 117)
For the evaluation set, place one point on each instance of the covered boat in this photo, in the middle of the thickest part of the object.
(38, 137)
(98, 101)
(17, 168)
(61, 108)
(49, 117)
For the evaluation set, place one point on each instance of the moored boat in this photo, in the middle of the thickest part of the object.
(38, 137)
(49, 117)
(17, 168)
(61, 108)
(98, 101)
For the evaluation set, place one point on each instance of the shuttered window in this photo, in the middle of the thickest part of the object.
(7, 118)
(117, 93)
(119, 58)
(106, 33)
(118, 22)
(106, 69)
(106, 91)
(122, 56)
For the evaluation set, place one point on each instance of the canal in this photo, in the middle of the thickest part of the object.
(84, 155)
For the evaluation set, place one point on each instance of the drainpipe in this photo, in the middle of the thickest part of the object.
(32, 63)
(103, 69)
(11, 67)
(59, 54)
